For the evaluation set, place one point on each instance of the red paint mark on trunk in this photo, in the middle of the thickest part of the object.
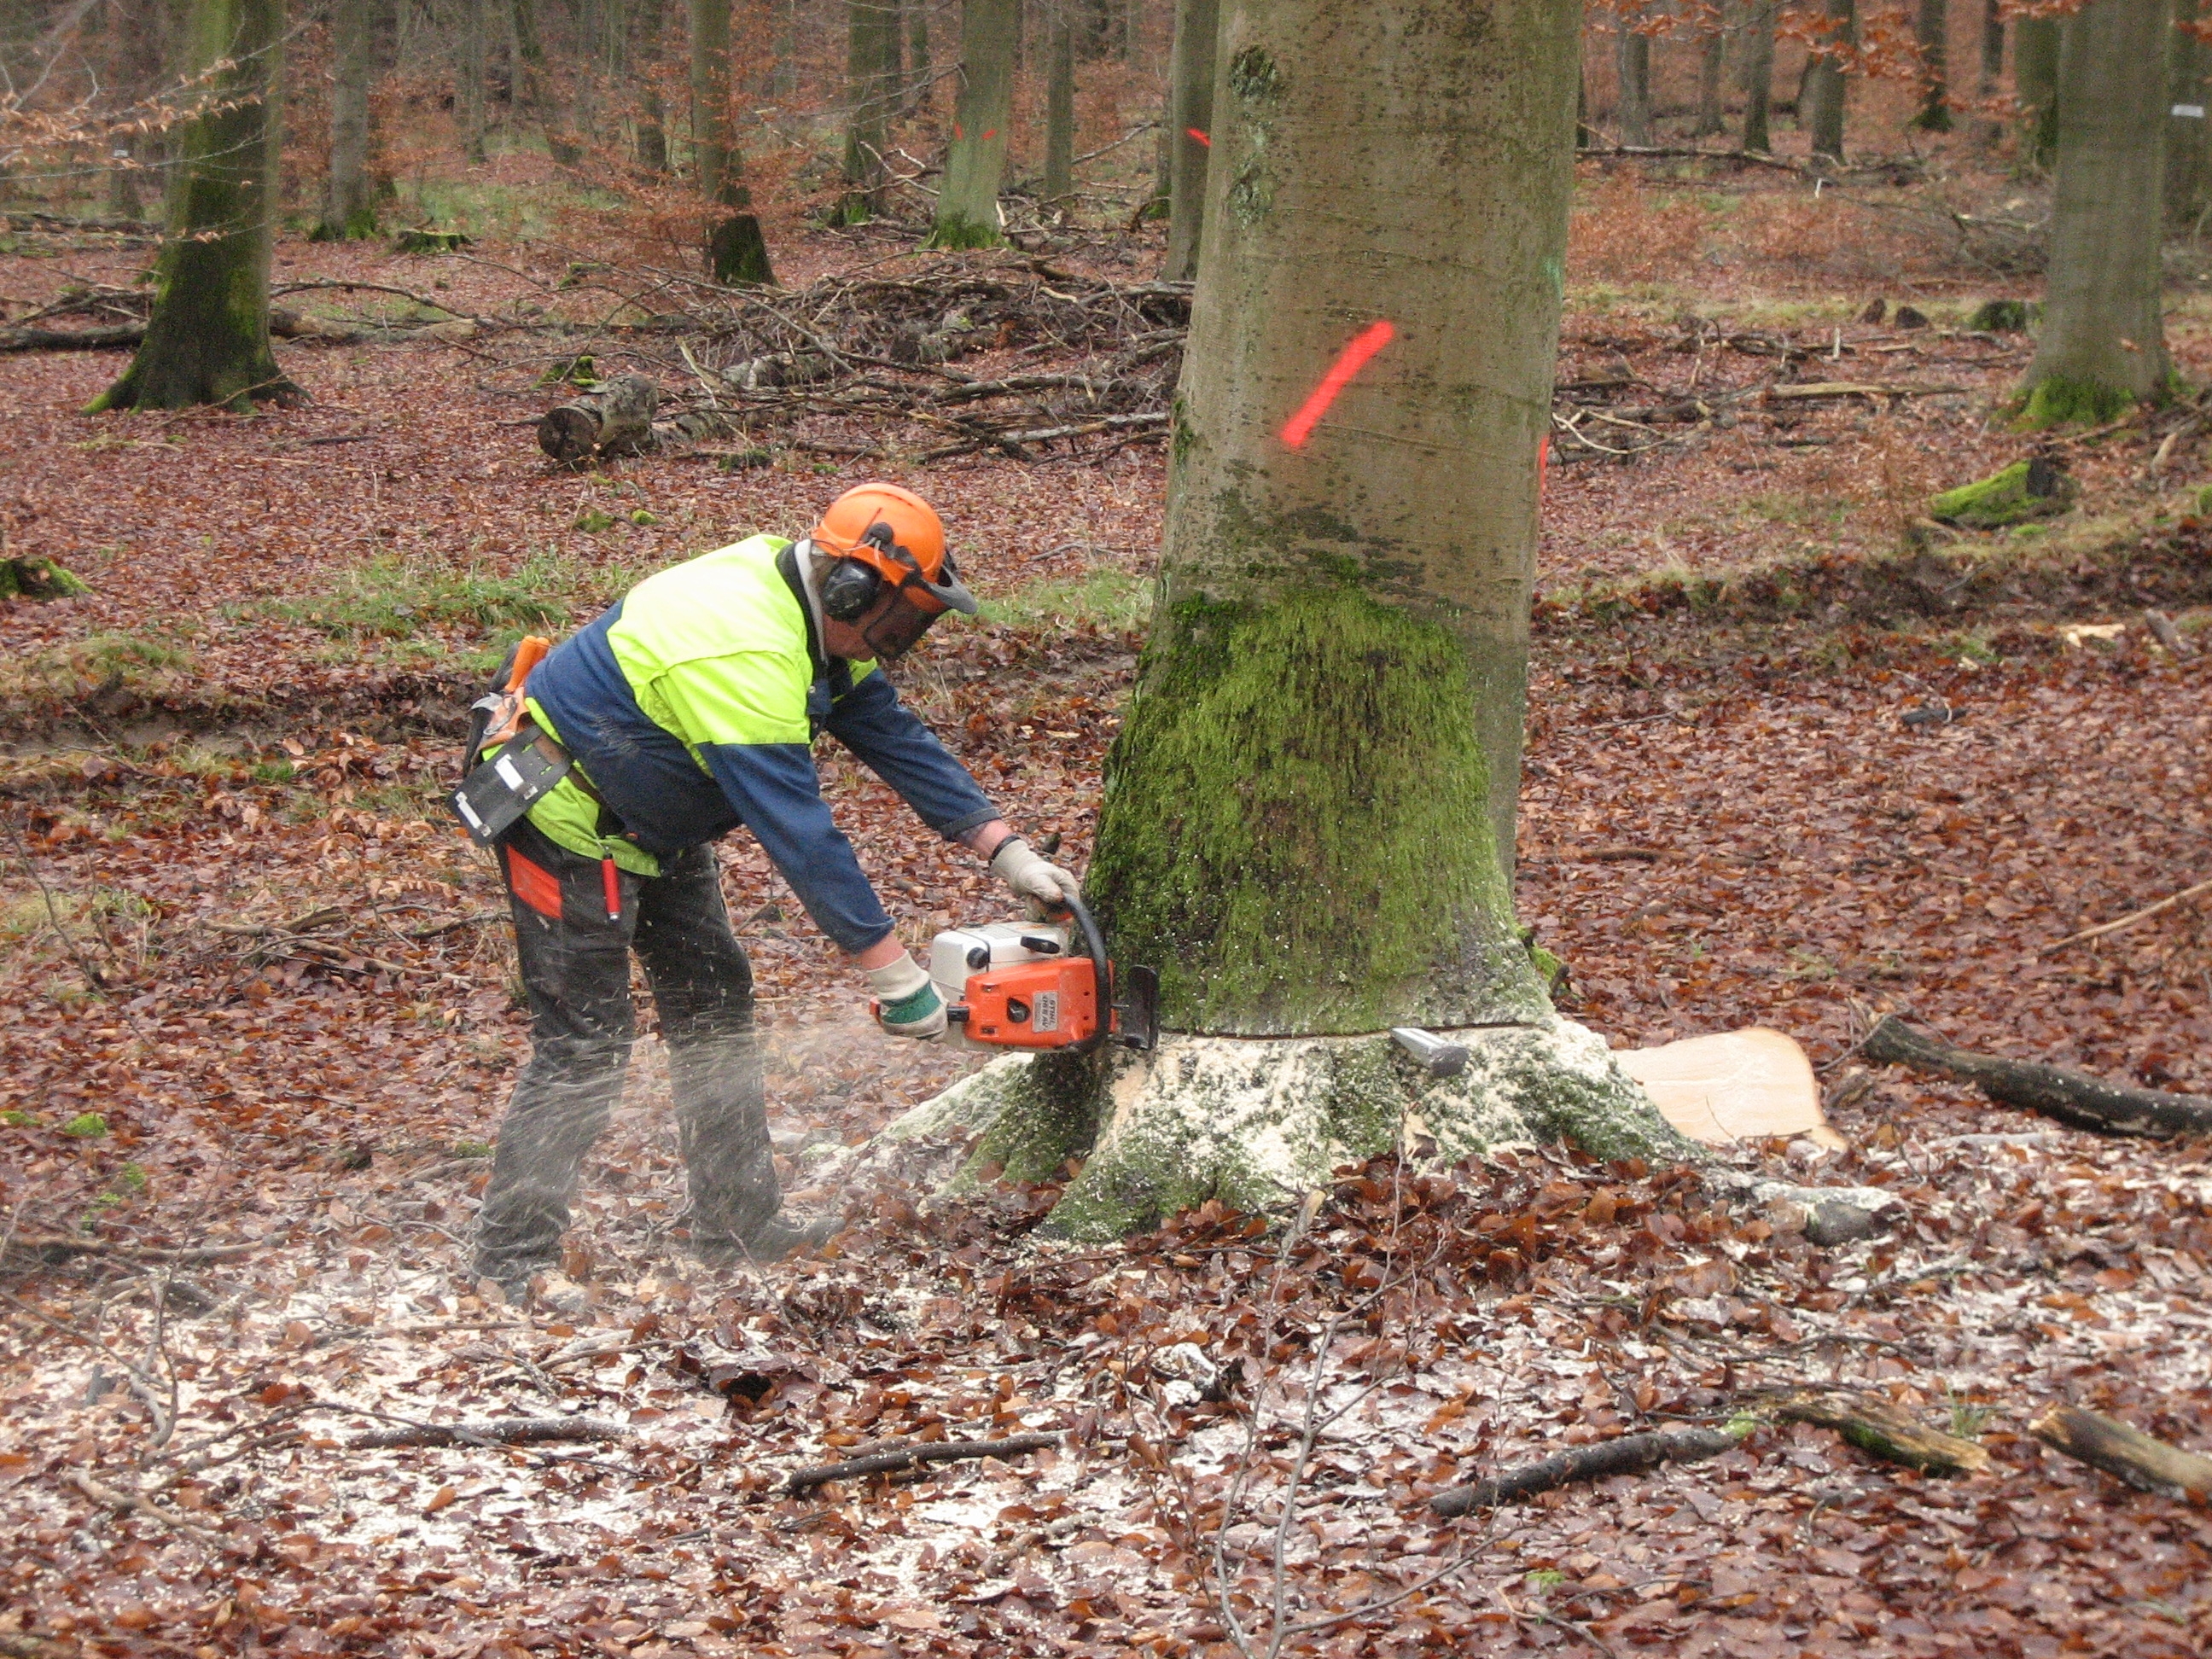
(989, 135)
(1349, 361)
(957, 133)
(1543, 467)
(1200, 137)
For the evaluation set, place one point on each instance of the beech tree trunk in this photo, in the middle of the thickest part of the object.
(1759, 76)
(1822, 97)
(967, 205)
(872, 92)
(1992, 69)
(1932, 30)
(2103, 344)
(737, 253)
(1308, 807)
(349, 205)
(206, 340)
(1059, 103)
(652, 146)
(1192, 64)
(470, 67)
(1712, 73)
(2185, 193)
(1632, 61)
(2035, 78)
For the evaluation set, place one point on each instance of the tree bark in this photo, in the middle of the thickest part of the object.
(2186, 196)
(1712, 75)
(872, 92)
(736, 252)
(1932, 31)
(1759, 77)
(2073, 1097)
(1821, 98)
(2035, 78)
(1987, 131)
(917, 55)
(1307, 809)
(349, 205)
(2103, 344)
(470, 68)
(615, 419)
(968, 205)
(2144, 1461)
(1879, 1429)
(1632, 62)
(207, 340)
(1059, 103)
(1631, 1454)
(651, 147)
(1192, 65)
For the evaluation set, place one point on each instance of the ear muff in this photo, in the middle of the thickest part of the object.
(848, 588)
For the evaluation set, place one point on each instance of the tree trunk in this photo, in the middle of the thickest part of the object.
(1306, 808)
(1932, 30)
(2035, 76)
(615, 419)
(1192, 63)
(1822, 97)
(2103, 345)
(736, 251)
(1987, 131)
(1059, 104)
(349, 206)
(207, 340)
(871, 91)
(967, 206)
(1759, 77)
(2186, 193)
(1632, 61)
(651, 147)
(469, 72)
(123, 200)
(1712, 73)
(917, 55)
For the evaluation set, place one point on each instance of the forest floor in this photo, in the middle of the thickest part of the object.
(262, 1026)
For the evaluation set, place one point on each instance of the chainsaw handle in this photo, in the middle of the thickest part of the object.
(1101, 970)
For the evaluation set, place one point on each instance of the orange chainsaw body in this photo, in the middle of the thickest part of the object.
(1048, 1004)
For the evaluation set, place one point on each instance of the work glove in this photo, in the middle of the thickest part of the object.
(1044, 883)
(907, 1004)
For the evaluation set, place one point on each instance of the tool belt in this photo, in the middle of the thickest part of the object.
(498, 790)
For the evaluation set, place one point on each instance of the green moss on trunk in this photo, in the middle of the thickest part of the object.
(37, 579)
(2065, 400)
(1296, 830)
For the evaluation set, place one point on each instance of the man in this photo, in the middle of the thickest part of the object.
(686, 710)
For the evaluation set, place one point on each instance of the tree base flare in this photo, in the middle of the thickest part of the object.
(1257, 1121)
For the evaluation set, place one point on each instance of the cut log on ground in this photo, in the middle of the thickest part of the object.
(913, 1457)
(514, 1432)
(1883, 1431)
(615, 419)
(1630, 1455)
(2075, 1098)
(2142, 1461)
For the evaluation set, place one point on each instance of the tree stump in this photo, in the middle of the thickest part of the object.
(614, 418)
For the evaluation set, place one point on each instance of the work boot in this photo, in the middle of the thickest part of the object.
(771, 1240)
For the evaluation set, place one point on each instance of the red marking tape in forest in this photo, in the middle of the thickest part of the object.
(1200, 137)
(1349, 361)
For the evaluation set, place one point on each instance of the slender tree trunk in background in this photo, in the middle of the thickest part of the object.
(1304, 810)
(1712, 72)
(2035, 78)
(207, 340)
(737, 253)
(1582, 138)
(2103, 344)
(349, 203)
(2186, 193)
(1191, 67)
(123, 200)
(527, 49)
(871, 91)
(1759, 76)
(918, 70)
(1988, 130)
(967, 207)
(1058, 102)
(1633, 59)
(1822, 97)
(579, 132)
(1932, 31)
(652, 149)
(470, 68)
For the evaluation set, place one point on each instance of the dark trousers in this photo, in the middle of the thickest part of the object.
(575, 965)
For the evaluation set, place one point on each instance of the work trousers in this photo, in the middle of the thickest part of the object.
(575, 967)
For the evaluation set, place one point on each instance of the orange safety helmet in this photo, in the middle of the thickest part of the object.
(898, 536)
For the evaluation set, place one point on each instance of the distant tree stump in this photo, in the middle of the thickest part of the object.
(736, 254)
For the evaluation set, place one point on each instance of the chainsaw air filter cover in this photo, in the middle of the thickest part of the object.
(1013, 985)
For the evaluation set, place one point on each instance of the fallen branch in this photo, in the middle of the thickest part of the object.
(911, 1457)
(1883, 1431)
(132, 1503)
(14, 1644)
(1630, 1455)
(2142, 1461)
(126, 1252)
(1854, 389)
(2148, 910)
(507, 1432)
(72, 339)
(2074, 1098)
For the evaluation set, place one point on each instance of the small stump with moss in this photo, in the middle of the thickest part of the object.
(37, 579)
(2026, 490)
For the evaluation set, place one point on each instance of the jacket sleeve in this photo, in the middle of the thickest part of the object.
(734, 714)
(891, 742)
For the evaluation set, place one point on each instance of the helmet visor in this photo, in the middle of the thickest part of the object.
(896, 625)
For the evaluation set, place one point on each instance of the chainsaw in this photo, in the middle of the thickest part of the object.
(1022, 985)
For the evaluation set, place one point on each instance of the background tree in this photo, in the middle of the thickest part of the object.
(2189, 85)
(1712, 75)
(2103, 344)
(1633, 66)
(2035, 81)
(1759, 76)
(1992, 67)
(1191, 66)
(1822, 95)
(736, 250)
(1308, 807)
(1932, 31)
(471, 65)
(1058, 102)
(349, 205)
(968, 205)
(207, 340)
(872, 93)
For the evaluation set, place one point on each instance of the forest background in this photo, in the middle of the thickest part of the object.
(1803, 750)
